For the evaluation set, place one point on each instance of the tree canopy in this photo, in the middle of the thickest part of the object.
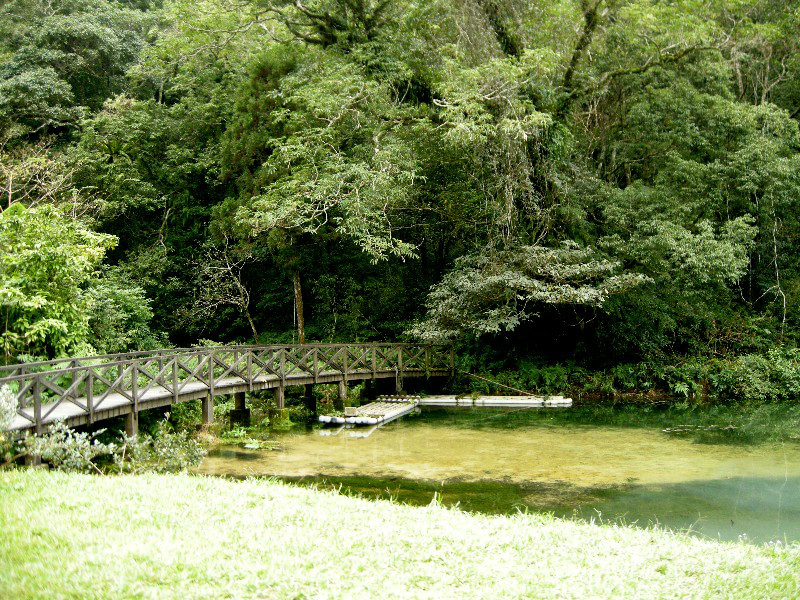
(619, 176)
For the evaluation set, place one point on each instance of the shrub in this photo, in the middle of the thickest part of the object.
(773, 376)
(168, 451)
(65, 449)
(8, 407)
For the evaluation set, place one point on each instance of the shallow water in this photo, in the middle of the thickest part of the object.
(633, 475)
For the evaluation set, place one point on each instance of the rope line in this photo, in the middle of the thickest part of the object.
(513, 389)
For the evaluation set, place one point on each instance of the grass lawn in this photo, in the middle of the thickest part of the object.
(167, 536)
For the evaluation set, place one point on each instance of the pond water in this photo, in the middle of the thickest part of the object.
(633, 475)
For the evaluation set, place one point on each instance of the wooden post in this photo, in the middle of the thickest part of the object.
(250, 370)
(398, 380)
(342, 396)
(427, 361)
(309, 401)
(135, 388)
(278, 416)
(90, 395)
(283, 374)
(37, 403)
(211, 374)
(72, 365)
(174, 378)
(132, 423)
(208, 409)
(316, 364)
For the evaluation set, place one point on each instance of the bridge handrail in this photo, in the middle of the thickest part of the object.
(118, 357)
(131, 375)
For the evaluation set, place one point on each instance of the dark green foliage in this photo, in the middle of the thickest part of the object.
(64, 56)
(608, 185)
(121, 315)
(754, 379)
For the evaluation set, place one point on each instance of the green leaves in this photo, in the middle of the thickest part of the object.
(329, 152)
(497, 290)
(36, 98)
(46, 260)
(65, 57)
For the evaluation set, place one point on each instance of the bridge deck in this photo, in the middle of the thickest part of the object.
(74, 411)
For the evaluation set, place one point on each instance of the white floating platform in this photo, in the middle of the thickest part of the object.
(374, 413)
(497, 401)
(389, 408)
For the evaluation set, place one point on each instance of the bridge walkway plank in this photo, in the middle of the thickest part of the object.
(75, 411)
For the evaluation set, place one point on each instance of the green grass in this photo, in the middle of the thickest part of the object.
(161, 536)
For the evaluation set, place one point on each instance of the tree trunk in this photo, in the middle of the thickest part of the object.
(298, 305)
(252, 324)
(590, 21)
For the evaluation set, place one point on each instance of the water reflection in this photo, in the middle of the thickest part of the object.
(760, 509)
(636, 475)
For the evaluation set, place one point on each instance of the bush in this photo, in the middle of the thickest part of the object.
(65, 449)
(770, 377)
(168, 451)
(8, 407)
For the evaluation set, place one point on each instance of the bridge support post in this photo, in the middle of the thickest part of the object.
(279, 416)
(240, 415)
(208, 409)
(308, 399)
(132, 423)
(338, 403)
(33, 460)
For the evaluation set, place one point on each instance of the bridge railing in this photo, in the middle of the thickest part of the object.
(88, 382)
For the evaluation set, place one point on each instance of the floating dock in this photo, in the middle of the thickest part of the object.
(388, 408)
(497, 401)
(380, 412)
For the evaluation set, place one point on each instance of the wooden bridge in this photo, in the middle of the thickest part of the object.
(85, 390)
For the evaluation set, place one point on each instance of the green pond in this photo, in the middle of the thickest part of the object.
(634, 475)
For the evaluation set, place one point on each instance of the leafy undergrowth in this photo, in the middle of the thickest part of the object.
(75, 536)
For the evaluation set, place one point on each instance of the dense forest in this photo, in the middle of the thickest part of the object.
(594, 183)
